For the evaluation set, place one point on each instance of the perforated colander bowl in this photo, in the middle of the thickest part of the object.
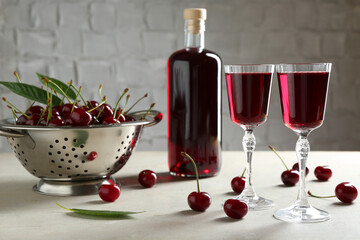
(59, 156)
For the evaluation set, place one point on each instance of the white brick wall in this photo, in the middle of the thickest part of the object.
(103, 17)
(126, 44)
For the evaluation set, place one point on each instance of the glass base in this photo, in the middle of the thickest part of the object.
(301, 214)
(256, 203)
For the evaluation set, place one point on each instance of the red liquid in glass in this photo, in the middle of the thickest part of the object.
(303, 97)
(248, 97)
(194, 112)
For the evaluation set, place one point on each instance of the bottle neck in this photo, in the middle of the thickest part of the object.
(194, 34)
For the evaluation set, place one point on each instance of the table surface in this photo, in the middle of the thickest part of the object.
(25, 214)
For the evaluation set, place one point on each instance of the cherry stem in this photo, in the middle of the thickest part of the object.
(99, 113)
(69, 85)
(117, 103)
(19, 81)
(147, 112)
(62, 92)
(47, 91)
(13, 113)
(17, 76)
(127, 99)
(79, 94)
(312, 195)
(49, 108)
(118, 117)
(42, 113)
(100, 88)
(273, 149)
(25, 115)
(102, 103)
(242, 175)
(102, 109)
(184, 154)
(136, 102)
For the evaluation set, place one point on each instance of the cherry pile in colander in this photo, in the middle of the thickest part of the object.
(55, 112)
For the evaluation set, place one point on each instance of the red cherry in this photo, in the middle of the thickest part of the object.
(92, 156)
(92, 104)
(94, 112)
(323, 173)
(34, 109)
(68, 121)
(54, 112)
(147, 178)
(346, 192)
(238, 184)
(54, 117)
(296, 167)
(66, 109)
(42, 122)
(290, 177)
(56, 122)
(110, 120)
(33, 121)
(21, 120)
(129, 118)
(94, 119)
(107, 111)
(109, 192)
(80, 117)
(199, 201)
(119, 116)
(235, 208)
(159, 117)
(58, 109)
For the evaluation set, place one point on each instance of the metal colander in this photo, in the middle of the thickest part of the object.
(60, 156)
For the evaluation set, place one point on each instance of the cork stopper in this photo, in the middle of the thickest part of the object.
(195, 18)
(195, 13)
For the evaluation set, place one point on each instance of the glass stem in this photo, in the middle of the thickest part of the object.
(249, 143)
(302, 150)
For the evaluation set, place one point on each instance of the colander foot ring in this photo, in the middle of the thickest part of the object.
(70, 188)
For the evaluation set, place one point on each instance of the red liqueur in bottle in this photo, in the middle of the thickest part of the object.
(194, 102)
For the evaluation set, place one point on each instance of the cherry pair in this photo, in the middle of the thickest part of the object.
(200, 201)
(345, 192)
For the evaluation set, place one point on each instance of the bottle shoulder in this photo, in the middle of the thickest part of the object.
(189, 54)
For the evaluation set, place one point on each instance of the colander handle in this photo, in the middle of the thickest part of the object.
(10, 133)
(156, 117)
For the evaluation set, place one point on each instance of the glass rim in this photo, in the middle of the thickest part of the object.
(303, 63)
(250, 64)
(249, 68)
(303, 67)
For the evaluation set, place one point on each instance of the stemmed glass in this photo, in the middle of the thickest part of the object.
(303, 92)
(248, 91)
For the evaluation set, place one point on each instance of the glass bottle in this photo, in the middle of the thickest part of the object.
(194, 102)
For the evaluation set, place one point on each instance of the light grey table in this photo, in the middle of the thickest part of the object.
(28, 215)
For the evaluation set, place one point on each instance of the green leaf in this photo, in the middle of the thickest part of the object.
(102, 213)
(30, 92)
(59, 84)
